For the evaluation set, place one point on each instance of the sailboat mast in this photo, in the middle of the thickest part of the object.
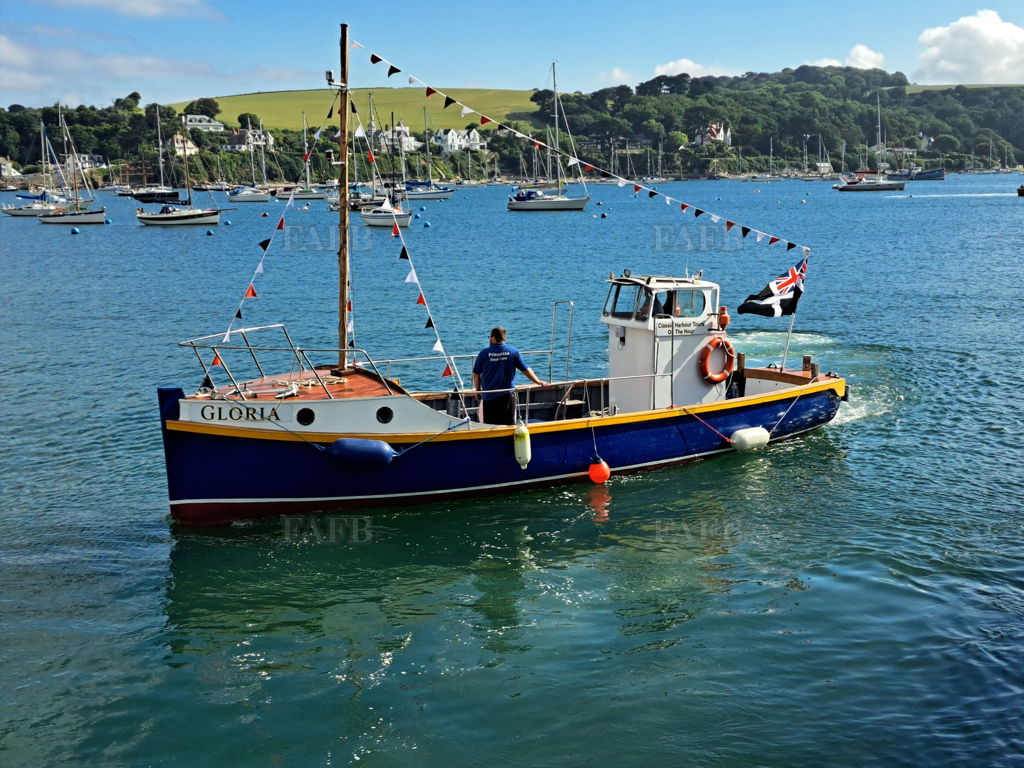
(881, 149)
(554, 101)
(305, 147)
(343, 108)
(159, 146)
(184, 151)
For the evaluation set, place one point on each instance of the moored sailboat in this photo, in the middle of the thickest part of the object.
(342, 434)
(171, 215)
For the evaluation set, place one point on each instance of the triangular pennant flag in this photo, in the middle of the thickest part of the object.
(537, 144)
(773, 240)
(330, 112)
(744, 231)
(216, 359)
(354, 44)
(305, 157)
(250, 293)
(393, 70)
(729, 225)
(484, 120)
(761, 236)
(790, 246)
(621, 182)
(352, 106)
(683, 207)
(421, 300)
(227, 338)
(587, 168)
(404, 254)
(437, 346)
(369, 156)
(697, 212)
(349, 305)
(411, 277)
(264, 244)
(651, 193)
(238, 314)
(572, 161)
(430, 91)
(375, 59)
(360, 133)
(430, 323)
(467, 111)
(316, 135)
(259, 268)
(447, 371)
(669, 201)
(206, 383)
(412, 80)
(394, 229)
(280, 223)
(636, 188)
(715, 218)
(448, 101)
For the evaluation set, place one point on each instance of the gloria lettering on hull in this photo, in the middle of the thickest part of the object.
(242, 413)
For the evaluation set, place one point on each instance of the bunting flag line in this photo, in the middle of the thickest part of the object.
(375, 59)
(438, 346)
(280, 223)
(448, 101)
(216, 359)
(447, 370)
(251, 292)
(264, 244)
(404, 254)
(430, 323)
(467, 111)
(430, 91)
(421, 300)
(393, 70)
(238, 314)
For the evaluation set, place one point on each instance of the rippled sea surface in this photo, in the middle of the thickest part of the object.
(852, 598)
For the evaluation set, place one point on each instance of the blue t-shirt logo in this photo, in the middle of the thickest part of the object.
(497, 366)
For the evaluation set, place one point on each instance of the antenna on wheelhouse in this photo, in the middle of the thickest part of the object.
(343, 109)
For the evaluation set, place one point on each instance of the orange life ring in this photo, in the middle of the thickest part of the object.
(705, 359)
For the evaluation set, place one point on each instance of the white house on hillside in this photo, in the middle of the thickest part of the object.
(203, 123)
(388, 140)
(248, 140)
(714, 132)
(7, 170)
(454, 140)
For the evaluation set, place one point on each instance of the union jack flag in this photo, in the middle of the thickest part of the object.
(780, 296)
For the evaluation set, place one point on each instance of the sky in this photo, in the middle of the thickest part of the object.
(93, 51)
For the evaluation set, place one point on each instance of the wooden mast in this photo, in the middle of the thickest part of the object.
(343, 109)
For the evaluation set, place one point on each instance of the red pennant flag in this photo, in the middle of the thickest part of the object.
(587, 168)
(375, 59)
(280, 224)
(729, 225)
(421, 300)
(393, 70)
(697, 212)
(251, 293)
(745, 231)
(369, 155)
(636, 188)
(790, 246)
(394, 229)
(350, 305)
(305, 157)
(683, 207)
(537, 144)
(484, 120)
(216, 359)
(447, 371)
(772, 240)
(430, 91)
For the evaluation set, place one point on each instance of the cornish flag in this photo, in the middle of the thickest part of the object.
(780, 296)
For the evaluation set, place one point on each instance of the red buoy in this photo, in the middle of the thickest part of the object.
(599, 471)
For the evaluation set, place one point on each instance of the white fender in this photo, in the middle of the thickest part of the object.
(521, 445)
(750, 438)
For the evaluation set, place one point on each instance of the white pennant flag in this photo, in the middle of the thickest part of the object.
(259, 268)
(572, 161)
(337, 134)
(467, 111)
(351, 326)
(437, 346)
(621, 181)
(354, 44)
(414, 80)
(291, 199)
(715, 218)
(760, 236)
(227, 338)
(669, 201)
(411, 277)
(318, 132)
(360, 133)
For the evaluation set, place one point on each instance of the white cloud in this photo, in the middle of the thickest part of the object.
(973, 49)
(149, 9)
(860, 56)
(692, 68)
(617, 76)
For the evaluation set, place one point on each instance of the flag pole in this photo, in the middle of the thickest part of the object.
(789, 335)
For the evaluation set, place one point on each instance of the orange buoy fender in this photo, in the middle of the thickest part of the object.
(705, 359)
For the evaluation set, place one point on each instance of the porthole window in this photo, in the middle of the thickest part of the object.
(385, 415)
(305, 416)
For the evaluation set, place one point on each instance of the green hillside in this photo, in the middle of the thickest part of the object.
(283, 109)
(914, 88)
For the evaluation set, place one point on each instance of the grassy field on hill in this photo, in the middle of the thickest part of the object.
(919, 88)
(283, 109)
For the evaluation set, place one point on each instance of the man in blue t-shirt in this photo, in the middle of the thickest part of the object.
(493, 372)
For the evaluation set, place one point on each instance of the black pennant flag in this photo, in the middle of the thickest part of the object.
(745, 231)
(238, 314)
(697, 212)
(207, 382)
(354, 110)
(375, 59)
(404, 254)
(392, 70)
(652, 193)
(448, 101)
(430, 323)
(330, 112)
(265, 244)
(790, 246)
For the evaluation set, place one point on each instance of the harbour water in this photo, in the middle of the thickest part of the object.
(854, 597)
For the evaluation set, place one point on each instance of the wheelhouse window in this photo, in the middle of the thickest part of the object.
(681, 303)
(623, 301)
